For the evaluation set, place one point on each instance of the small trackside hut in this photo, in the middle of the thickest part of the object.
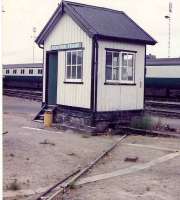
(94, 65)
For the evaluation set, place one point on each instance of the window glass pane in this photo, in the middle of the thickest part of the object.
(108, 73)
(68, 58)
(73, 57)
(68, 72)
(130, 60)
(115, 59)
(79, 57)
(130, 73)
(109, 58)
(124, 59)
(79, 75)
(124, 73)
(116, 73)
(73, 72)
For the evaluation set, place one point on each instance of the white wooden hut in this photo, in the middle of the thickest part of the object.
(94, 61)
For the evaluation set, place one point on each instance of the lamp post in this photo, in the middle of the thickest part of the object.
(168, 17)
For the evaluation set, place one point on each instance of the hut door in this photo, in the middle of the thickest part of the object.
(52, 65)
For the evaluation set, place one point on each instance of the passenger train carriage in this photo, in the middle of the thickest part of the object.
(162, 77)
(23, 76)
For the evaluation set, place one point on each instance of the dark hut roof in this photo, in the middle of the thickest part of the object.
(102, 23)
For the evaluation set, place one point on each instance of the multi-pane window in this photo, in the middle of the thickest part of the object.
(14, 71)
(120, 66)
(7, 71)
(30, 71)
(22, 71)
(39, 71)
(74, 64)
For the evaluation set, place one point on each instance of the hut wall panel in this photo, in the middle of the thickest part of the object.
(67, 31)
(120, 97)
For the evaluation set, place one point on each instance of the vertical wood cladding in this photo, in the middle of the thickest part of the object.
(120, 97)
(65, 32)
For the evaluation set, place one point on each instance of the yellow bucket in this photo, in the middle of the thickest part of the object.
(48, 118)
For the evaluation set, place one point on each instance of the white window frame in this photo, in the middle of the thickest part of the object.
(120, 81)
(66, 65)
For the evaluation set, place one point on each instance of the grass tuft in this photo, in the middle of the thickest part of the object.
(144, 122)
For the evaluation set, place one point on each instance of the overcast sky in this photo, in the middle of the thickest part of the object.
(21, 15)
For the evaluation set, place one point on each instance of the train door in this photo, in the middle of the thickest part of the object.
(51, 77)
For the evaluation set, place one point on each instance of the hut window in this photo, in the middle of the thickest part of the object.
(7, 71)
(74, 64)
(120, 66)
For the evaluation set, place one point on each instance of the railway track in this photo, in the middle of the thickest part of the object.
(166, 108)
(56, 192)
(164, 112)
(165, 104)
(26, 94)
(162, 99)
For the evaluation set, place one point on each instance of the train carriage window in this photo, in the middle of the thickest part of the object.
(22, 71)
(7, 71)
(14, 71)
(39, 71)
(30, 71)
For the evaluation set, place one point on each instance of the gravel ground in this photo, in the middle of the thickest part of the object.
(37, 166)
(172, 122)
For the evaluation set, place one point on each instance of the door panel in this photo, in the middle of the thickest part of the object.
(52, 78)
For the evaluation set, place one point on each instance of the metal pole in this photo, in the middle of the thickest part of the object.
(169, 24)
(34, 37)
(33, 52)
(169, 41)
